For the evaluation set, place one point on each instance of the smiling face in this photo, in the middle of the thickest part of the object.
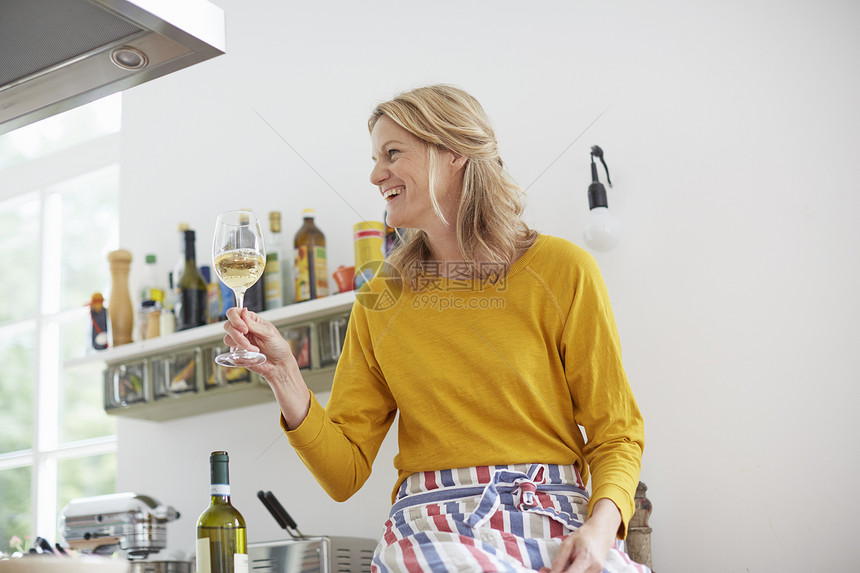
(402, 174)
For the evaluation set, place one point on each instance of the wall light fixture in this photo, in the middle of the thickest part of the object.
(602, 229)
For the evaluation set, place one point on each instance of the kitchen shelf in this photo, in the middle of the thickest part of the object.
(200, 393)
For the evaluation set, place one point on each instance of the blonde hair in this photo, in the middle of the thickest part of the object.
(490, 228)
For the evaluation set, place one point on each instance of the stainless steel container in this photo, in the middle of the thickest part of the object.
(313, 555)
(160, 567)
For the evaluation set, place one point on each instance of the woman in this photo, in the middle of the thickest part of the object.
(494, 344)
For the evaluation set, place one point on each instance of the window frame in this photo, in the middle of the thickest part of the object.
(47, 449)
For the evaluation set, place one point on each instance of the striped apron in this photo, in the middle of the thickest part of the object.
(486, 519)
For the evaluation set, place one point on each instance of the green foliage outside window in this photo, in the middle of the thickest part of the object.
(19, 250)
(17, 355)
(15, 505)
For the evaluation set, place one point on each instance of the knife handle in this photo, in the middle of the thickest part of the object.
(262, 496)
(273, 501)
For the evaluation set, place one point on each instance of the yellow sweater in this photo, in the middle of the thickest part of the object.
(483, 375)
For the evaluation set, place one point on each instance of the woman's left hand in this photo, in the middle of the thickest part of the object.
(586, 549)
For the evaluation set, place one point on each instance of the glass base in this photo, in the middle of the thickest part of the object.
(239, 357)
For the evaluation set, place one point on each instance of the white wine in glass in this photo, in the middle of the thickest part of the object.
(239, 257)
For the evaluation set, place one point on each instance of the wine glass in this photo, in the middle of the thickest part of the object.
(239, 257)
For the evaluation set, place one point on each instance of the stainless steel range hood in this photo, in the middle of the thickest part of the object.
(59, 54)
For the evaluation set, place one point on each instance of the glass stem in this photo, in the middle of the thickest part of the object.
(240, 302)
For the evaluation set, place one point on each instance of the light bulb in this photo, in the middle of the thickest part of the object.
(602, 229)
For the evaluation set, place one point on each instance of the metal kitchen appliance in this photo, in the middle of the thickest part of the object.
(307, 554)
(130, 522)
(324, 554)
(58, 54)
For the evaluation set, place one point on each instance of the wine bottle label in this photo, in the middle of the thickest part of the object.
(219, 489)
(240, 563)
(311, 273)
(321, 271)
(204, 559)
(303, 274)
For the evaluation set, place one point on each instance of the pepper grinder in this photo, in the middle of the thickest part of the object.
(120, 308)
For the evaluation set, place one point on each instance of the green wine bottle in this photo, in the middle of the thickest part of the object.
(191, 303)
(221, 542)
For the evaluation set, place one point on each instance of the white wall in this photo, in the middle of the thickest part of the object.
(731, 133)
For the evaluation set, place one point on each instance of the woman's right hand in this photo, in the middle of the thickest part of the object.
(245, 329)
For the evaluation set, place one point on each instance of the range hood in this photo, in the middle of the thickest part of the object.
(59, 54)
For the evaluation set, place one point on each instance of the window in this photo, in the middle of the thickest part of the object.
(59, 191)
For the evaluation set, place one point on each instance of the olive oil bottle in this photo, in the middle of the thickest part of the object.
(311, 268)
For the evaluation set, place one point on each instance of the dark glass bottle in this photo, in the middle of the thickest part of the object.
(191, 301)
(255, 296)
(311, 268)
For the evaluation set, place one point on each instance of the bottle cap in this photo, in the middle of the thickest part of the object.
(308, 212)
(183, 227)
(150, 259)
(218, 469)
(275, 221)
